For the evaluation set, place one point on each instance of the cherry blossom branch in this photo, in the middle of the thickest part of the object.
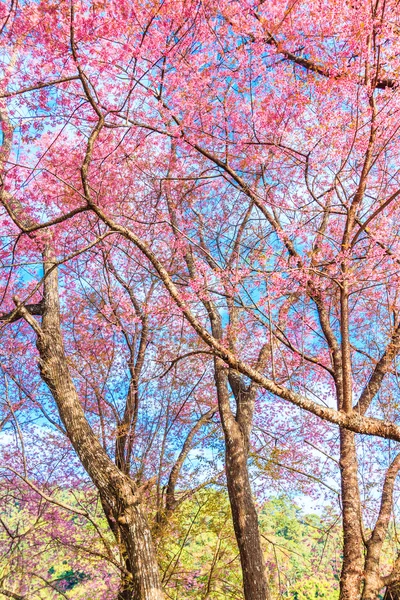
(354, 422)
(38, 86)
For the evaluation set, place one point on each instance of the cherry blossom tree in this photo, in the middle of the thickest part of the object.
(248, 153)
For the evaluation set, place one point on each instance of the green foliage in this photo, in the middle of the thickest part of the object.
(313, 588)
(197, 550)
(303, 551)
(200, 559)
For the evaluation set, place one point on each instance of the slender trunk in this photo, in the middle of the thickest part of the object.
(116, 489)
(392, 592)
(243, 509)
(171, 501)
(353, 559)
(374, 581)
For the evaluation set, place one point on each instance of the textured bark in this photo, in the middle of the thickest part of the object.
(116, 490)
(244, 514)
(353, 559)
(125, 584)
(373, 579)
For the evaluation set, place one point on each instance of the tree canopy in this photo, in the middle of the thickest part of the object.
(199, 270)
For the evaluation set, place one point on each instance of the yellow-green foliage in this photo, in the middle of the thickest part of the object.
(198, 555)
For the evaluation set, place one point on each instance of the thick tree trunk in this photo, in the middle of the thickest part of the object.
(116, 490)
(353, 559)
(244, 514)
(134, 573)
(136, 534)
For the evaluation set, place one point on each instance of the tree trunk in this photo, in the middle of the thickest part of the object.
(353, 559)
(392, 592)
(374, 581)
(128, 584)
(244, 514)
(116, 490)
